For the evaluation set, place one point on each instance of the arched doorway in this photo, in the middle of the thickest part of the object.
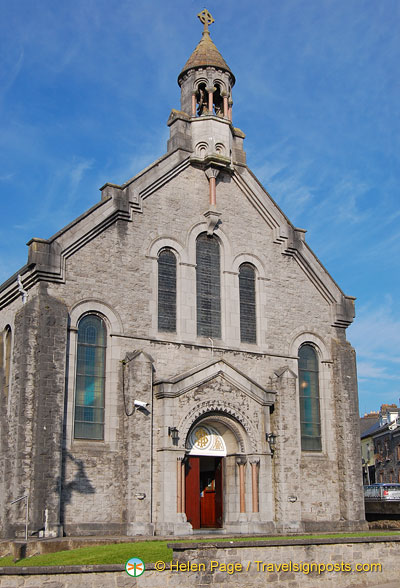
(206, 448)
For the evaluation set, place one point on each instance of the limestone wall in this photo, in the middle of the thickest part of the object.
(240, 564)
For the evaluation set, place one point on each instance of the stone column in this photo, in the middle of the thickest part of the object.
(213, 191)
(183, 497)
(230, 104)
(349, 478)
(212, 174)
(241, 461)
(36, 417)
(287, 458)
(179, 485)
(254, 483)
(193, 104)
(210, 99)
(226, 108)
(138, 384)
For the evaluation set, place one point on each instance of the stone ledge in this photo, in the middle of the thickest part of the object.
(44, 570)
(53, 570)
(283, 542)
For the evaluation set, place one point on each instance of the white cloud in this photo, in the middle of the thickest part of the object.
(77, 171)
(367, 370)
(6, 177)
(376, 338)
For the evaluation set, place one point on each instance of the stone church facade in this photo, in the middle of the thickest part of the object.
(176, 358)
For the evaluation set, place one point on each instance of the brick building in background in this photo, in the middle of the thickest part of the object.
(176, 357)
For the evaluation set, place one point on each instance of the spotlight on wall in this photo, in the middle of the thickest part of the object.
(271, 438)
(173, 433)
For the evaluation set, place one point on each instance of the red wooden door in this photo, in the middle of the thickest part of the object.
(203, 490)
(211, 494)
(207, 505)
(192, 491)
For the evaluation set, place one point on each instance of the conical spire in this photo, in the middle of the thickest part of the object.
(206, 53)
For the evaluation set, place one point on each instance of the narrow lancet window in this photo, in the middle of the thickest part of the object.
(310, 419)
(90, 378)
(167, 291)
(208, 282)
(247, 295)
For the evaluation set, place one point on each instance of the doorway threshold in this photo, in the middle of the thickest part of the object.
(206, 531)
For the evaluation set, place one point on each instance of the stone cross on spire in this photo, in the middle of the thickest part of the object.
(206, 18)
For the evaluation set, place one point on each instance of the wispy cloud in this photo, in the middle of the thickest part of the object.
(11, 66)
(376, 338)
(367, 370)
(77, 171)
(6, 177)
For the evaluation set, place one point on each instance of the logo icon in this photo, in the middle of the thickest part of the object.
(134, 567)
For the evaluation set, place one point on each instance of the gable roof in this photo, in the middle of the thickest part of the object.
(47, 257)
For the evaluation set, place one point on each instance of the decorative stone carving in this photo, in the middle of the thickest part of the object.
(210, 406)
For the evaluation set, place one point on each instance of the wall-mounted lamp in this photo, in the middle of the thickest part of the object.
(271, 438)
(173, 433)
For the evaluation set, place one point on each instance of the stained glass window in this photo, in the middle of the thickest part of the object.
(309, 399)
(208, 284)
(247, 295)
(167, 291)
(90, 378)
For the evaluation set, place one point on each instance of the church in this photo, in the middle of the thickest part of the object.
(174, 361)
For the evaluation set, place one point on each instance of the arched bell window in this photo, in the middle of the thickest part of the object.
(202, 99)
(218, 101)
(247, 296)
(310, 419)
(90, 378)
(167, 291)
(208, 283)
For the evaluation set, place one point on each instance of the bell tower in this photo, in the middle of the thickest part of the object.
(203, 126)
(206, 81)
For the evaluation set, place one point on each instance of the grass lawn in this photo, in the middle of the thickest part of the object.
(149, 551)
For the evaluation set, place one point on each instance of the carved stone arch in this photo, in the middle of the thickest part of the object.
(223, 240)
(220, 149)
(229, 423)
(94, 306)
(302, 336)
(161, 243)
(201, 149)
(224, 410)
(7, 320)
(252, 260)
(221, 84)
(198, 81)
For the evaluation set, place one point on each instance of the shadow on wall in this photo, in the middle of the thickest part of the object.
(80, 483)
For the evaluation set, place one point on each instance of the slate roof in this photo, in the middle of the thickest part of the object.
(367, 422)
(206, 54)
(372, 429)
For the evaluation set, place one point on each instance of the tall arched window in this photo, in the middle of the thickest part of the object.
(208, 282)
(309, 399)
(167, 291)
(247, 296)
(90, 378)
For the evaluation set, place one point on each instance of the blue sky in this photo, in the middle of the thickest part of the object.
(86, 88)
